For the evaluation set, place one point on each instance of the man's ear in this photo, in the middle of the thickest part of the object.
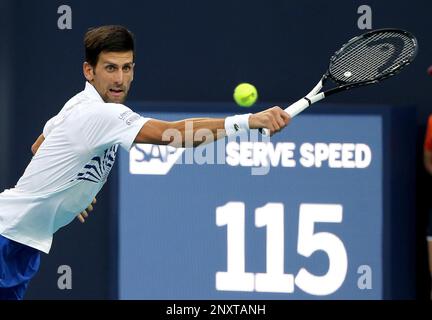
(88, 71)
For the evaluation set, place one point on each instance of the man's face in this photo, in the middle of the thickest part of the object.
(112, 75)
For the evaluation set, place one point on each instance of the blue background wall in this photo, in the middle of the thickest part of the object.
(186, 51)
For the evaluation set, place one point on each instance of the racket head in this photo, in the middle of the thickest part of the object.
(372, 57)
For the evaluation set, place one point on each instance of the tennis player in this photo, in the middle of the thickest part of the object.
(77, 149)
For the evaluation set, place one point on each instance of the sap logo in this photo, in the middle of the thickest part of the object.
(153, 159)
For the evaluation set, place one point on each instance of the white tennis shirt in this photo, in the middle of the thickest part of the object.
(69, 168)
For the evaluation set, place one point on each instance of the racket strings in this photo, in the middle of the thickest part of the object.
(369, 61)
(373, 57)
(361, 62)
(369, 58)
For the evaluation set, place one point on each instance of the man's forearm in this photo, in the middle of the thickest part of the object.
(194, 132)
(184, 133)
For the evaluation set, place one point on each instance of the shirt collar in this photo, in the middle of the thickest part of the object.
(91, 92)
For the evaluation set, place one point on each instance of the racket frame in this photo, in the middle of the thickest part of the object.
(315, 95)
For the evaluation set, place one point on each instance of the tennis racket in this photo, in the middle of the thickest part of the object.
(365, 59)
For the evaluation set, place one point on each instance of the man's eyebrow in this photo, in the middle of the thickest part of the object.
(115, 64)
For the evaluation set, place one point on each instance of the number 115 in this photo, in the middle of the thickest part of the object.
(274, 279)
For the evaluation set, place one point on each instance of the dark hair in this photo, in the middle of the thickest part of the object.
(107, 38)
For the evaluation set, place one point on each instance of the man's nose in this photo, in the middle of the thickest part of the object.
(118, 77)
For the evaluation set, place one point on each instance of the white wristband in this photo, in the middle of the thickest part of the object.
(236, 124)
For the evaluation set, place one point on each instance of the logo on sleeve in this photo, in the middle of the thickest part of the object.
(129, 117)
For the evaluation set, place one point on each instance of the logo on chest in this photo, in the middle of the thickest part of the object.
(99, 167)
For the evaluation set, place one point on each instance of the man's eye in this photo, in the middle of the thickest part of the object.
(127, 68)
(110, 68)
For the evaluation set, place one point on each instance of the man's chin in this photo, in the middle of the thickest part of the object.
(120, 101)
(115, 99)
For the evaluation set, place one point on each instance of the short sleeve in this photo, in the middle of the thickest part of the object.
(110, 123)
(428, 138)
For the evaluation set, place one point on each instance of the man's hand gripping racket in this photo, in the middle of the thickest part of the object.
(365, 59)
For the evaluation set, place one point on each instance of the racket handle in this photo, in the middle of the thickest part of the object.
(298, 107)
(292, 110)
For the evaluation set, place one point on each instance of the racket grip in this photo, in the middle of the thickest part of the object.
(292, 110)
(298, 107)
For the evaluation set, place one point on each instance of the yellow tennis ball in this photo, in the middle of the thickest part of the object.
(245, 94)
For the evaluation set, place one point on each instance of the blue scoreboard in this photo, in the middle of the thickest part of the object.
(299, 216)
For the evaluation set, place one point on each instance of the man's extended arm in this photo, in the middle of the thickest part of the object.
(183, 133)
